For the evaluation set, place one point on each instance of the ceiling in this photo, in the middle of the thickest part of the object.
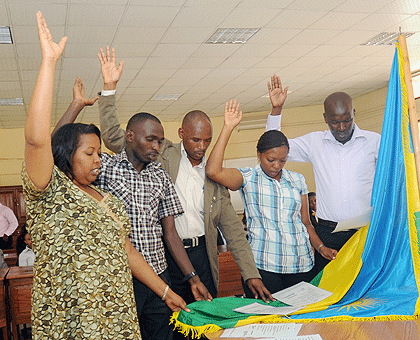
(314, 45)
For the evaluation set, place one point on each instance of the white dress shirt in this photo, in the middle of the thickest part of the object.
(26, 257)
(344, 173)
(8, 221)
(190, 189)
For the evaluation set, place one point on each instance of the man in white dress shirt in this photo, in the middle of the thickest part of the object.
(8, 224)
(344, 160)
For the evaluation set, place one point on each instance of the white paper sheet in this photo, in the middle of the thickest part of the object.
(263, 330)
(301, 294)
(299, 337)
(355, 222)
(257, 308)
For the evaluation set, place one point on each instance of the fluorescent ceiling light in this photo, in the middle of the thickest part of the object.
(232, 35)
(166, 96)
(11, 101)
(386, 38)
(5, 35)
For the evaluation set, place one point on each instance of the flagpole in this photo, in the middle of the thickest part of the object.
(411, 105)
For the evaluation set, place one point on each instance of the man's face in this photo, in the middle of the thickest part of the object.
(144, 139)
(312, 203)
(340, 120)
(196, 137)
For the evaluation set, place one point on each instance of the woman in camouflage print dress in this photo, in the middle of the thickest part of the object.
(82, 279)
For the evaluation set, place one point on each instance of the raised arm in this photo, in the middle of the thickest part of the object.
(38, 154)
(316, 242)
(112, 133)
(76, 106)
(277, 94)
(228, 177)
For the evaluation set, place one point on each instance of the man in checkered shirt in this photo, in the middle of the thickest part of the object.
(151, 203)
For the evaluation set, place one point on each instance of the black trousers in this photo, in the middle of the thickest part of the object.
(152, 312)
(200, 261)
(335, 241)
(278, 281)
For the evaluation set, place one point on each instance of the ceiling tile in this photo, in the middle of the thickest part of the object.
(378, 22)
(174, 50)
(324, 5)
(338, 20)
(362, 6)
(250, 17)
(183, 35)
(202, 16)
(313, 37)
(139, 35)
(88, 14)
(54, 14)
(149, 16)
(296, 18)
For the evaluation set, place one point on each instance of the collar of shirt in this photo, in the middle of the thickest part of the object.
(357, 133)
(184, 155)
(123, 158)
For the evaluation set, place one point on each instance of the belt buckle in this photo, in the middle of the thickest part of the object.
(194, 242)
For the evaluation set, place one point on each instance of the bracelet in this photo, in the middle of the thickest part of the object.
(189, 276)
(165, 292)
(319, 248)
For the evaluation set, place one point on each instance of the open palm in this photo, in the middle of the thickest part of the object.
(50, 50)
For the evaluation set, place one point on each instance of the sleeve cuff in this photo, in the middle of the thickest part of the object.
(108, 92)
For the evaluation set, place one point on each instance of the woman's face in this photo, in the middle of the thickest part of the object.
(273, 161)
(28, 240)
(86, 160)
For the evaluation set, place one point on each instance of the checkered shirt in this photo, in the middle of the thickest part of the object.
(148, 197)
(278, 238)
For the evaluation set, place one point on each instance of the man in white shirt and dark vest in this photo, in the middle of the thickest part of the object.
(344, 161)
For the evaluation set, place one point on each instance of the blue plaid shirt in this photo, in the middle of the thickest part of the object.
(278, 238)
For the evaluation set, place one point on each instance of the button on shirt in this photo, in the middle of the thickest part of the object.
(278, 238)
(344, 173)
(8, 221)
(148, 196)
(190, 189)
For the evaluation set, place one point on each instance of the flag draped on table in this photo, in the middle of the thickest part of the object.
(376, 275)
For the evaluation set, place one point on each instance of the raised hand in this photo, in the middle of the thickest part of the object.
(232, 114)
(49, 49)
(79, 94)
(110, 72)
(277, 94)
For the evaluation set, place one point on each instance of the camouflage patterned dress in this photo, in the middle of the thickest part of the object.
(82, 280)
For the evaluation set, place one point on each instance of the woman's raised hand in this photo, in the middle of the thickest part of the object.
(232, 114)
(50, 50)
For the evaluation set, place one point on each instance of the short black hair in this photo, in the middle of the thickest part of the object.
(64, 144)
(272, 139)
(311, 194)
(140, 118)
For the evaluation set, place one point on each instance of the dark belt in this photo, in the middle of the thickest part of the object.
(194, 242)
(327, 223)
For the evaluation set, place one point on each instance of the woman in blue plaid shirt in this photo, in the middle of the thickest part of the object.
(276, 203)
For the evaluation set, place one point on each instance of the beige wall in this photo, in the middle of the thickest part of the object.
(296, 122)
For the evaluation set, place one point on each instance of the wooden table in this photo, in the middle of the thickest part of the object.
(20, 291)
(362, 330)
(3, 320)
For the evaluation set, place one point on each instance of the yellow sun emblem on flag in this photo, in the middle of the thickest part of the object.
(363, 303)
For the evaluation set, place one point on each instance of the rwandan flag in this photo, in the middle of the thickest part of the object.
(376, 275)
